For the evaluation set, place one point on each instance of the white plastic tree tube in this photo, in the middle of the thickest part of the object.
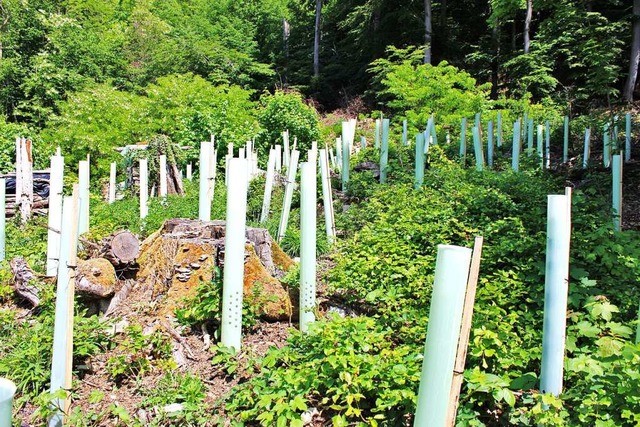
(616, 199)
(376, 135)
(163, 176)
(327, 197)
(555, 294)
(288, 195)
(83, 182)
(233, 276)
(189, 171)
(112, 183)
(445, 318)
(434, 137)
(307, 244)
(144, 188)
(278, 149)
(204, 203)
(547, 145)
(346, 154)
(54, 223)
(7, 391)
(268, 186)
(339, 154)
(287, 153)
(61, 363)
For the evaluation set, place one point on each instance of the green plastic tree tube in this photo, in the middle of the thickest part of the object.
(463, 140)
(490, 148)
(555, 294)
(288, 194)
(443, 332)
(627, 137)
(616, 191)
(307, 245)
(363, 142)
(515, 158)
(606, 146)
(63, 310)
(539, 148)
(499, 130)
(233, 275)
(434, 137)
(384, 152)
(419, 169)
(204, 204)
(477, 146)
(587, 148)
(348, 134)
(7, 391)
(525, 126)
(565, 147)
(427, 136)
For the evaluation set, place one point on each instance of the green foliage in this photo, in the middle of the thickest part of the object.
(185, 389)
(286, 111)
(25, 354)
(364, 378)
(136, 353)
(420, 90)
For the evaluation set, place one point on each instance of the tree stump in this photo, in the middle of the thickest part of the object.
(185, 253)
(121, 249)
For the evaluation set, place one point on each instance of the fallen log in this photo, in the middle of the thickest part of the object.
(24, 279)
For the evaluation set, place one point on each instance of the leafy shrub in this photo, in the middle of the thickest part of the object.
(286, 111)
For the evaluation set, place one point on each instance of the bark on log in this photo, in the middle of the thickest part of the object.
(23, 277)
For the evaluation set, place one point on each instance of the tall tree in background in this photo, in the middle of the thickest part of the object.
(527, 26)
(427, 31)
(635, 53)
(316, 40)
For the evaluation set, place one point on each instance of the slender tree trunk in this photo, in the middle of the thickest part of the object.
(635, 54)
(285, 41)
(495, 38)
(316, 40)
(527, 25)
(427, 31)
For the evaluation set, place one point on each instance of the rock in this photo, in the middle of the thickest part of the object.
(174, 407)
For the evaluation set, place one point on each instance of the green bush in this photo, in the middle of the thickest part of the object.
(286, 111)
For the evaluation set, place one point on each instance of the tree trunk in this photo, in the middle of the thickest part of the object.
(285, 42)
(527, 26)
(495, 38)
(635, 54)
(427, 31)
(316, 40)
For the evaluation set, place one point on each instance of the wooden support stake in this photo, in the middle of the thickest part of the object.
(465, 331)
